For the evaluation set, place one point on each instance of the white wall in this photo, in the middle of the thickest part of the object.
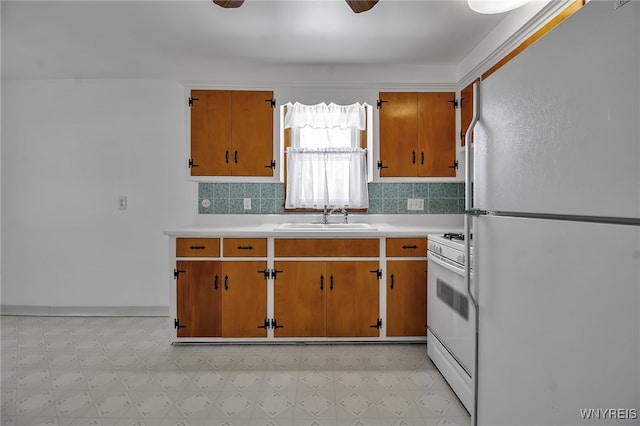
(69, 149)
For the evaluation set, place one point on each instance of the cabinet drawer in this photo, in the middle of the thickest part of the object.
(244, 247)
(197, 247)
(309, 247)
(406, 247)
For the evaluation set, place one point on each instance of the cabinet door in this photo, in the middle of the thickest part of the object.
(436, 133)
(406, 297)
(299, 299)
(399, 134)
(252, 133)
(244, 299)
(211, 132)
(352, 299)
(198, 299)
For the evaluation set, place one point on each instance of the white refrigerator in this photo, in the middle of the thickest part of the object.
(556, 227)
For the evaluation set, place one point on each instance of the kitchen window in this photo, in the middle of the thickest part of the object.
(326, 164)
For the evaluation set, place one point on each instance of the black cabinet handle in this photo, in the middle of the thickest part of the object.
(321, 282)
(409, 247)
(422, 157)
(215, 282)
(198, 247)
(392, 281)
(226, 279)
(331, 285)
(226, 156)
(235, 157)
(413, 161)
(245, 247)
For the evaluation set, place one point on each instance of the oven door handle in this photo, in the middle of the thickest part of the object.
(434, 258)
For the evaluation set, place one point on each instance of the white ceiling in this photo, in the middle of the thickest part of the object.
(138, 39)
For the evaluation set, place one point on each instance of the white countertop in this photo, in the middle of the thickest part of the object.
(265, 226)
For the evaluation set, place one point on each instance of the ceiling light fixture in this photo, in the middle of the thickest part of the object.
(357, 6)
(494, 6)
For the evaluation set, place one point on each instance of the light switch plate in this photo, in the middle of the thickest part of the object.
(247, 203)
(415, 204)
(122, 202)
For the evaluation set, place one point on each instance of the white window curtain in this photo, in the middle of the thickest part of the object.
(325, 164)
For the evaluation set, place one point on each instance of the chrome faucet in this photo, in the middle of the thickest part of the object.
(326, 213)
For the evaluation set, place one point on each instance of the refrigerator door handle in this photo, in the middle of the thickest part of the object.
(469, 213)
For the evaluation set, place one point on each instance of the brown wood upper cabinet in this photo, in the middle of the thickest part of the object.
(417, 134)
(231, 133)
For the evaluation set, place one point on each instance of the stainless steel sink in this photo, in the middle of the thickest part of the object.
(317, 226)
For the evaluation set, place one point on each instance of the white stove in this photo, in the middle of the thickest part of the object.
(450, 315)
(450, 247)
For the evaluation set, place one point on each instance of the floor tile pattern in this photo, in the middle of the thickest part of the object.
(122, 371)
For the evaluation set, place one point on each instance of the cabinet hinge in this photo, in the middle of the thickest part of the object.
(272, 102)
(381, 166)
(270, 323)
(271, 165)
(176, 324)
(378, 273)
(191, 101)
(177, 272)
(379, 103)
(192, 164)
(269, 273)
(378, 324)
(454, 165)
(454, 102)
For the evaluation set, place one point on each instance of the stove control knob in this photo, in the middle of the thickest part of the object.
(461, 258)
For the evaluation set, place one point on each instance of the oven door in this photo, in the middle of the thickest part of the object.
(450, 315)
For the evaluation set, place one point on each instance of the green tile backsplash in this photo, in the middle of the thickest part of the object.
(388, 198)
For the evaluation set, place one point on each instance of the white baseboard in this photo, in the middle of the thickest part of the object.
(88, 311)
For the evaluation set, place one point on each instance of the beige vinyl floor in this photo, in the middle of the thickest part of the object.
(122, 371)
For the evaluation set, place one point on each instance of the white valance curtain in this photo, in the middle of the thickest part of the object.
(325, 164)
(323, 116)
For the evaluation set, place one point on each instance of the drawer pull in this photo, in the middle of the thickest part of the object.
(198, 247)
(245, 247)
(409, 247)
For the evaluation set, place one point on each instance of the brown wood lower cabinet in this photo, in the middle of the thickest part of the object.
(221, 299)
(199, 299)
(406, 297)
(326, 299)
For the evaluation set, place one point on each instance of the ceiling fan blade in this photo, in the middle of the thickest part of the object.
(361, 5)
(229, 4)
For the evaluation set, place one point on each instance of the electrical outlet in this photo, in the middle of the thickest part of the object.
(122, 202)
(247, 203)
(415, 204)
